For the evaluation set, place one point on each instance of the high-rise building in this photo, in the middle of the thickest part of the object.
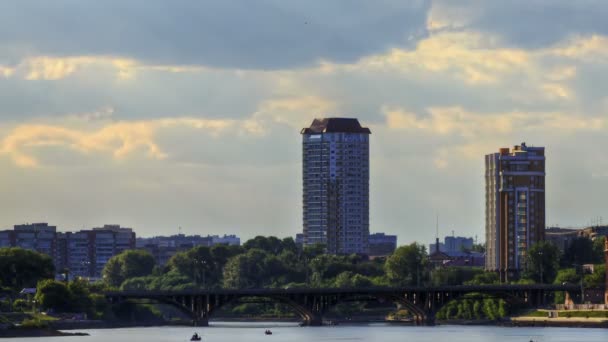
(515, 207)
(335, 153)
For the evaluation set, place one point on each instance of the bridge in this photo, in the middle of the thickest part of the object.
(311, 303)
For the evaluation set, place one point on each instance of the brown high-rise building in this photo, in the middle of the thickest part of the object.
(606, 256)
(515, 207)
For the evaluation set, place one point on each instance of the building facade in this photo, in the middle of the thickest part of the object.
(606, 281)
(453, 244)
(164, 248)
(381, 244)
(78, 254)
(39, 237)
(335, 155)
(515, 207)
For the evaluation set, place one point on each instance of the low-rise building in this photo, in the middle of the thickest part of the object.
(164, 247)
(381, 244)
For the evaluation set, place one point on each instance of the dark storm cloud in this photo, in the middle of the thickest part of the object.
(265, 34)
(536, 23)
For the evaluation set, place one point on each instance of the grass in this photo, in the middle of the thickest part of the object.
(585, 314)
(536, 313)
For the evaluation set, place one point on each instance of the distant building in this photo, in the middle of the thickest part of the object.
(165, 247)
(381, 244)
(515, 207)
(83, 253)
(299, 240)
(563, 237)
(458, 243)
(335, 156)
(433, 247)
(39, 237)
(453, 244)
(462, 258)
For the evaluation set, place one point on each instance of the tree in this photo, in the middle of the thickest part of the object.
(237, 273)
(406, 266)
(269, 244)
(52, 294)
(542, 261)
(598, 250)
(485, 278)
(565, 276)
(454, 275)
(597, 278)
(128, 264)
(21, 268)
(80, 296)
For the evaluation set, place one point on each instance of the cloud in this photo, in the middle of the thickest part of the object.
(235, 34)
(469, 134)
(118, 139)
(523, 23)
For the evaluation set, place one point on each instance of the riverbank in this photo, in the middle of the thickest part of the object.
(30, 332)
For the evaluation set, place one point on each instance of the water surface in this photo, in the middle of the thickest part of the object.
(254, 332)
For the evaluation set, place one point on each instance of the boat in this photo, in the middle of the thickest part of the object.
(267, 332)
(196, 337)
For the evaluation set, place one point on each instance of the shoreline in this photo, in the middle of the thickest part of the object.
(37, 332)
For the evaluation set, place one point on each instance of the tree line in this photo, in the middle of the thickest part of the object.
(270, 262)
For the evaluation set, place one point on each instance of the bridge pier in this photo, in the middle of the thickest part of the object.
(202, 322)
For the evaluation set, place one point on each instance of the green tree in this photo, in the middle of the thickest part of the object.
(52, 294)
(454, 275)
(485, 278)
(542, 260)
(238, 273)
(21, 268)
(598, 250)
(565, 276)
(80, 296)
(406, 266)
(269, 244)
(128, 264)
(597, 278)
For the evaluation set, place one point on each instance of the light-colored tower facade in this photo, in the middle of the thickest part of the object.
(515, 207)
(335, 155)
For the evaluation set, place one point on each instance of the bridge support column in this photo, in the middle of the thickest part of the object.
(314, 321)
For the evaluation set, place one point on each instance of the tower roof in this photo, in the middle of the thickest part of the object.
(335, 125)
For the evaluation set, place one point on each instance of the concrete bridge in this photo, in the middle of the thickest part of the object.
(311, 303)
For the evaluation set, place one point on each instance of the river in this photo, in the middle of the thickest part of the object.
(254, 332)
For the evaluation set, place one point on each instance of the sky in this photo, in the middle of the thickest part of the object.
(165, 114)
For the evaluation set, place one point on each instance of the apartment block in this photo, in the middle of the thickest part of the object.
(515, 207)
(335, 170)
(83, 253)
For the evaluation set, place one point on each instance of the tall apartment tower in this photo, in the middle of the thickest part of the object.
(335, 153)
(515, 207)
(606, 282)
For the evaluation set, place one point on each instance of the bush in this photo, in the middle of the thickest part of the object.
(21, 305)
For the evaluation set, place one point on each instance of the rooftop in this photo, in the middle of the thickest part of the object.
(335, 125)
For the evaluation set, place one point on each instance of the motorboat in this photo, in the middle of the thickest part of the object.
(196, 337)
(267, 332)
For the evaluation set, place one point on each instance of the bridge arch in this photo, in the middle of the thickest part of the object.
(306, 314)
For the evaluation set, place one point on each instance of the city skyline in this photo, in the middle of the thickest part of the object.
(156, 131)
